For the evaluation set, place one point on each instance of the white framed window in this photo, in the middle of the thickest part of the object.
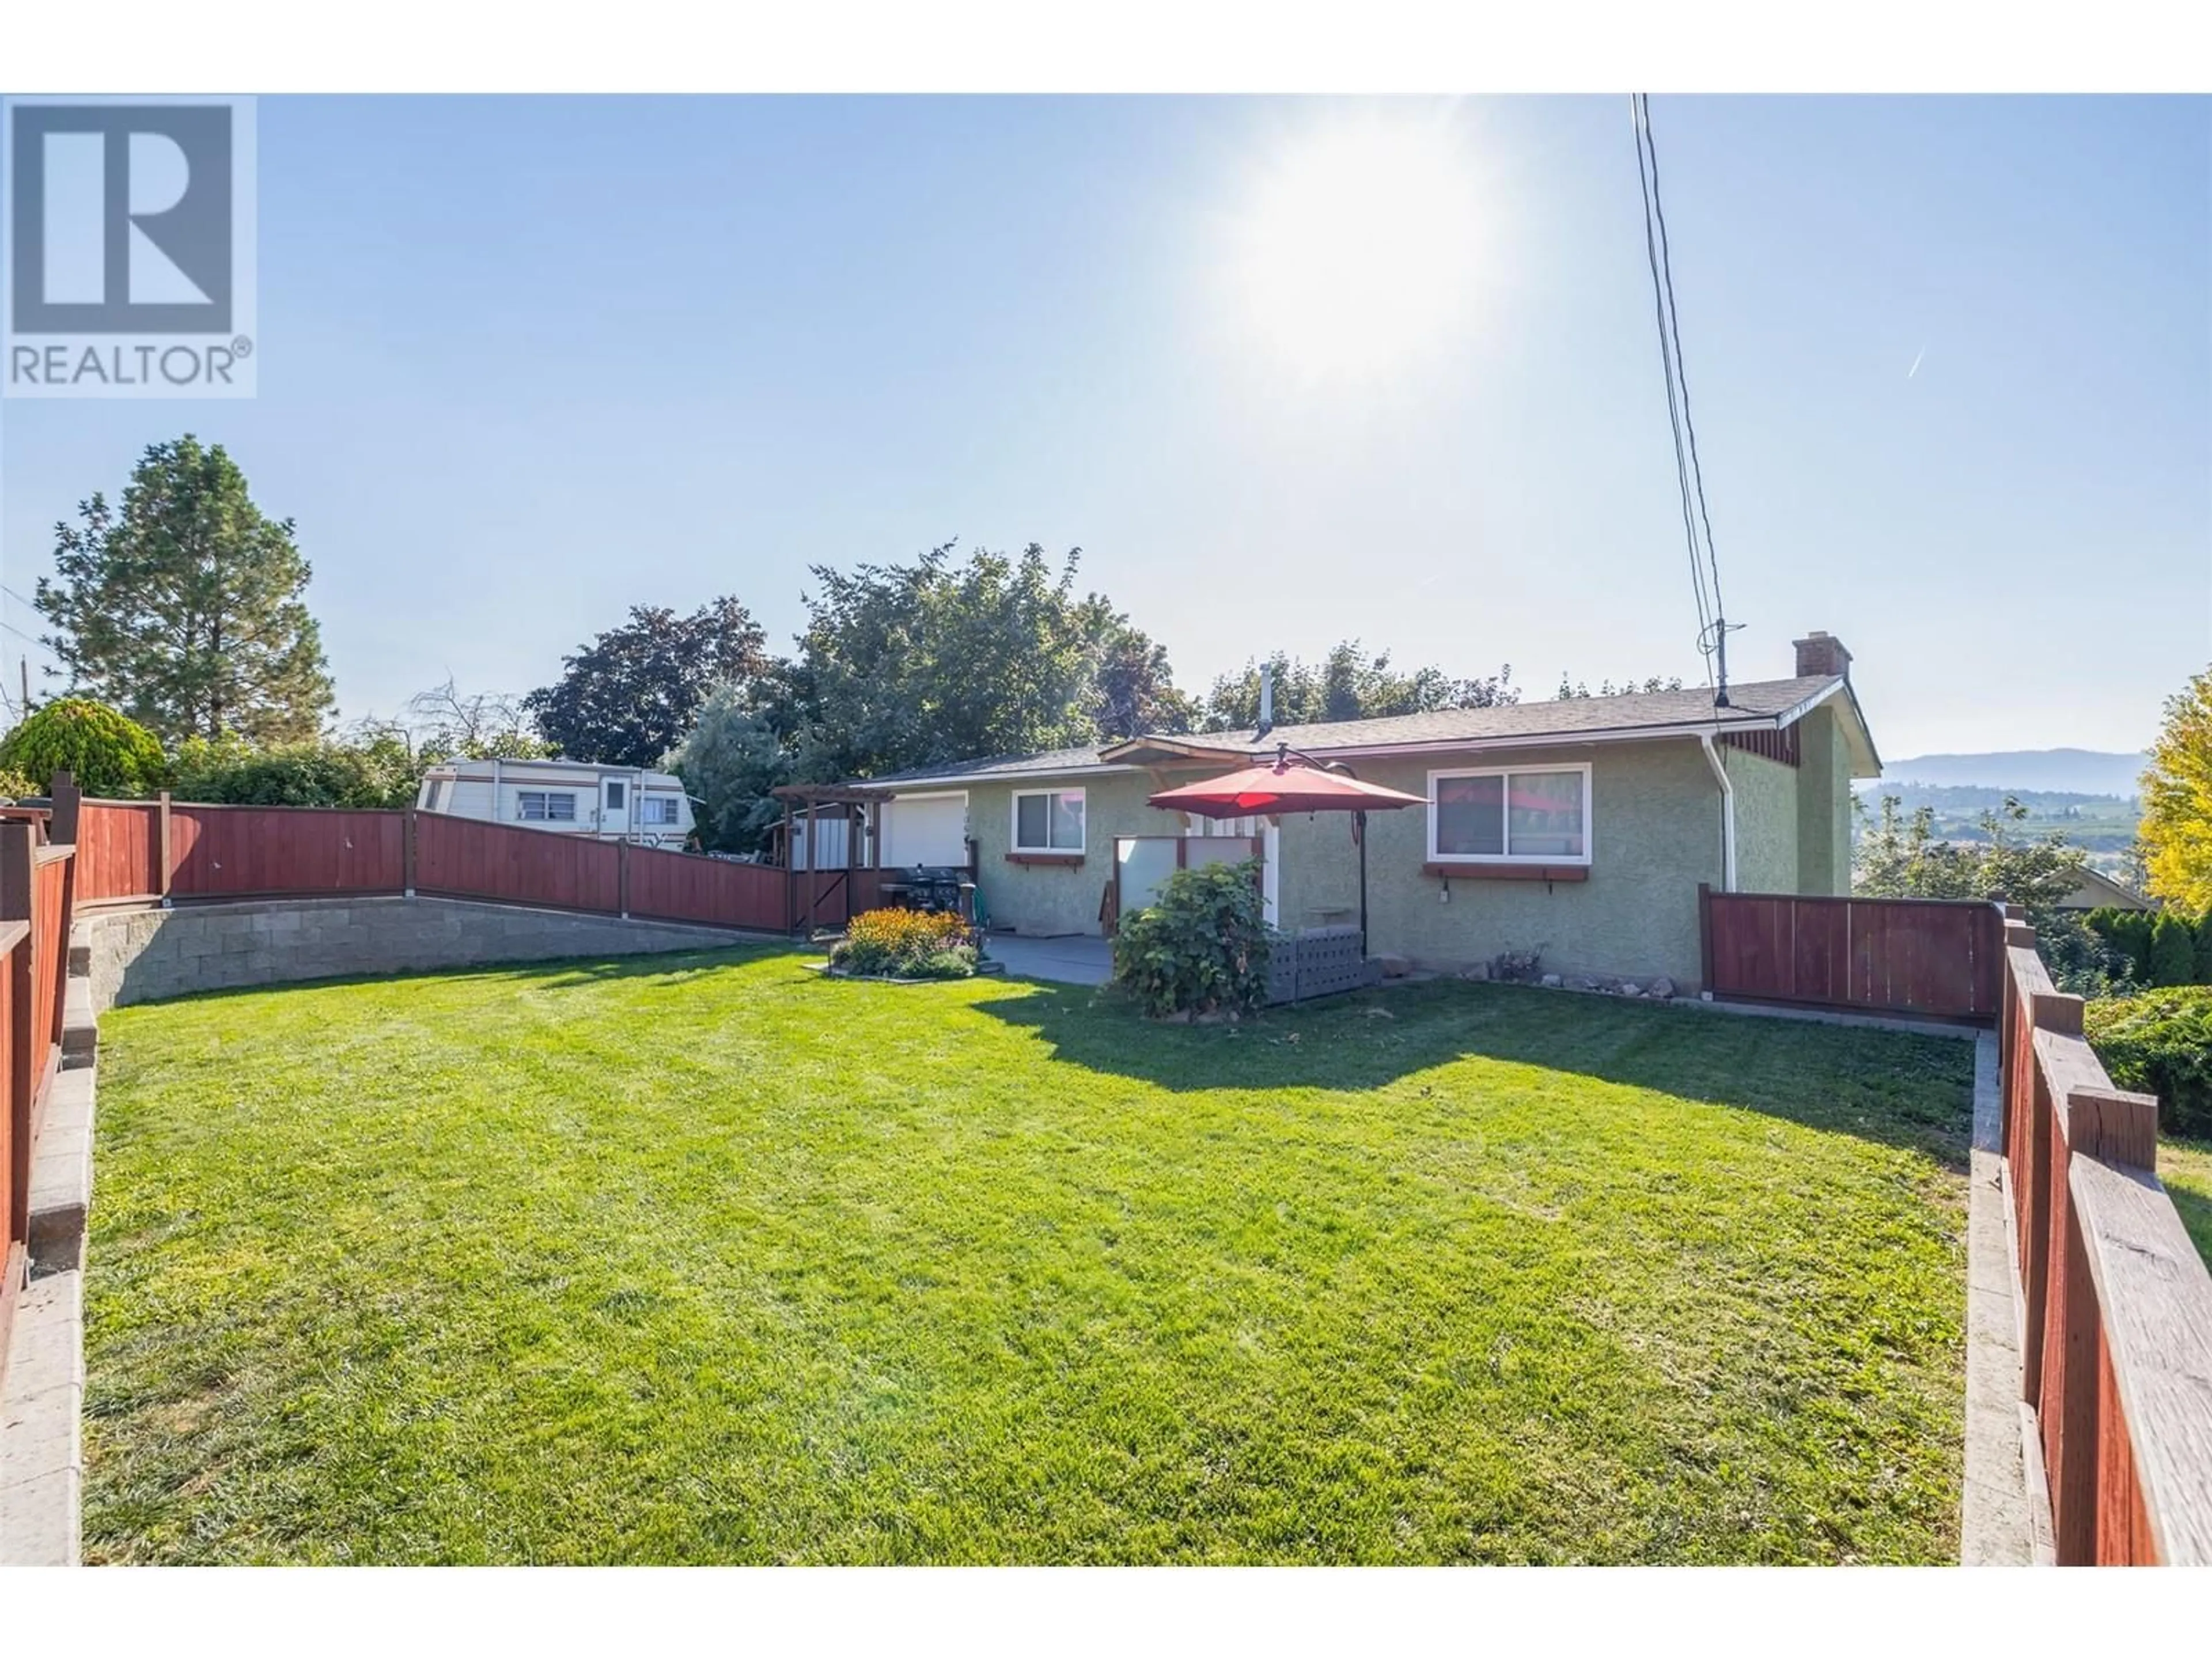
(617, 792)
(545, 806)
(433, 795)
(658, 809)
(1047, 821)
(1510, 815)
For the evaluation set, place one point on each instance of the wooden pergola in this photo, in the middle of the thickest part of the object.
(801, 804)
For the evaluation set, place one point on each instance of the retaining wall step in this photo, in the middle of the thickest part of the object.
(80, 1027)
(61, 1172)
(80, 957)
(41, 1442)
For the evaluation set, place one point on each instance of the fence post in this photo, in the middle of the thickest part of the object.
(407, 855)
(1705, 933)
(67, 799)
(26, 1055)
(622, 878)
(162, 874)
(2115, 1125)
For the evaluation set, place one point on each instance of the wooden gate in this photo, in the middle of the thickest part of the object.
(1933, 958)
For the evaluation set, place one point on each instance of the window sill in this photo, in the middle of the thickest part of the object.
(1453, 872)
(1066, 861)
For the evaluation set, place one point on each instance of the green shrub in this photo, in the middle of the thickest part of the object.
(1201, 947)
(107, 753)
(13, 786)
(2204, 949)
(2128, 931)
(2173, 951)
(2161, 1042)
(229, 771)
(2082, 963)
(905, 944)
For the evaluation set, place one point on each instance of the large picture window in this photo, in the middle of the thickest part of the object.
(1509, 815)
(1048, 821)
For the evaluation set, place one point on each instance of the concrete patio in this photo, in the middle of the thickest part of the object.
(1076, 959)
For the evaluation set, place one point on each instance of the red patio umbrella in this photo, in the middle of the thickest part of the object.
(1292, 783)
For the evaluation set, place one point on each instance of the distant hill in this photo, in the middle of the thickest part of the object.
(2069, 771)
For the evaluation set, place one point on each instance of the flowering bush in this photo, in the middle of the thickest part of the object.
(905, 944)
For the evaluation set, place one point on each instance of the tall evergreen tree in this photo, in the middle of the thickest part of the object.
(185, 607)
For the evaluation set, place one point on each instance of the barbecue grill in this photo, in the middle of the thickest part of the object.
(928, 887)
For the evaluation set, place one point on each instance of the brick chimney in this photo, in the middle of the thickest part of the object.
(1820, 652)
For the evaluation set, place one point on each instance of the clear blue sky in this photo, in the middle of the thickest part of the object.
(525, 362)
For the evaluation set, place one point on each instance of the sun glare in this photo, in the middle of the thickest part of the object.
(1358, 250)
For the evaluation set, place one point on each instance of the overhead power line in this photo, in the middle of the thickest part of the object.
(1689, 474)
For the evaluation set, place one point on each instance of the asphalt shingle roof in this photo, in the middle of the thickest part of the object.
(1754, 701)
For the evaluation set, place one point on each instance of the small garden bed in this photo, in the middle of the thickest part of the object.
(905, 946)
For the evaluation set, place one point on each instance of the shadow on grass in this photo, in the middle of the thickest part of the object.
(1892, 1087)
(551, 972)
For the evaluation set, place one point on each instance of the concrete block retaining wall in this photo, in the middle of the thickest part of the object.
(142, 955)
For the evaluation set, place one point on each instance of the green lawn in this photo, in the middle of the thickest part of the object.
(706, 1259)
(2185, 1169)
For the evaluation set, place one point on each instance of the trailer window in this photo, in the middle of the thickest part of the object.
(658, 809)
(614, 796)
(546, 806)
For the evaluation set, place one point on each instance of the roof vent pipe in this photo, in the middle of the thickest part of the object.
(1267, 699)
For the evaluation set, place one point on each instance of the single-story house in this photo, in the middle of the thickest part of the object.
(1580, 829)
(2098, 892)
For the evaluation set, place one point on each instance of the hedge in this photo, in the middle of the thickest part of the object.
(2160, 1042)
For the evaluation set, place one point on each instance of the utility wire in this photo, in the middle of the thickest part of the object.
(1646, 182)
(1682, 375)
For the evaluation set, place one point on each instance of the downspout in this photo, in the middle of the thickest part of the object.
(1727, 811)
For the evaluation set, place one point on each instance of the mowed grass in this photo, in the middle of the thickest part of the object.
(2185, 1167)
(706, 1259)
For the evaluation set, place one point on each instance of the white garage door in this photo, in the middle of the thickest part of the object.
(926, 829)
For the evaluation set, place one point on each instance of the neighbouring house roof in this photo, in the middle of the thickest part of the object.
(1757, 705)
(2098, 892)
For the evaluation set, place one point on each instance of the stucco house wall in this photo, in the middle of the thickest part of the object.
(1766, 829)
(1039, 899)
(1824, 804)
(1655, 834)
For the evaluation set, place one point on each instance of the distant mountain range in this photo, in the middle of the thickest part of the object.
(2071, 771)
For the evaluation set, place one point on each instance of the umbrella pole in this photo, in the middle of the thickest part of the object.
(1359, 824)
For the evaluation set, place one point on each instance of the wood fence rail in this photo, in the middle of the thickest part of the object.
(2117, 1351)
(1927, 958)
(38, 887)
(139, 852)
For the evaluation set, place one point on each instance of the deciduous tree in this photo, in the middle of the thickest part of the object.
(635, 691)
(2177, 801)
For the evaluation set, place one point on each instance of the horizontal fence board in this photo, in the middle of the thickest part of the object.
(2116, 1303)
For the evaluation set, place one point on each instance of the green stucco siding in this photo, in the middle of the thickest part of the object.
(1767, 850)
(1824, 804)
(1655, 830)
(1052, 899)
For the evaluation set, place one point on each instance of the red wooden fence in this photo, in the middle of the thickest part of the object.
(2118, 1355)
(254, 852)
(1934, 959)
(461, 858)
(37, 890)
(138, 851)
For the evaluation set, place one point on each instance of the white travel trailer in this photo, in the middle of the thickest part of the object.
(570, 797)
